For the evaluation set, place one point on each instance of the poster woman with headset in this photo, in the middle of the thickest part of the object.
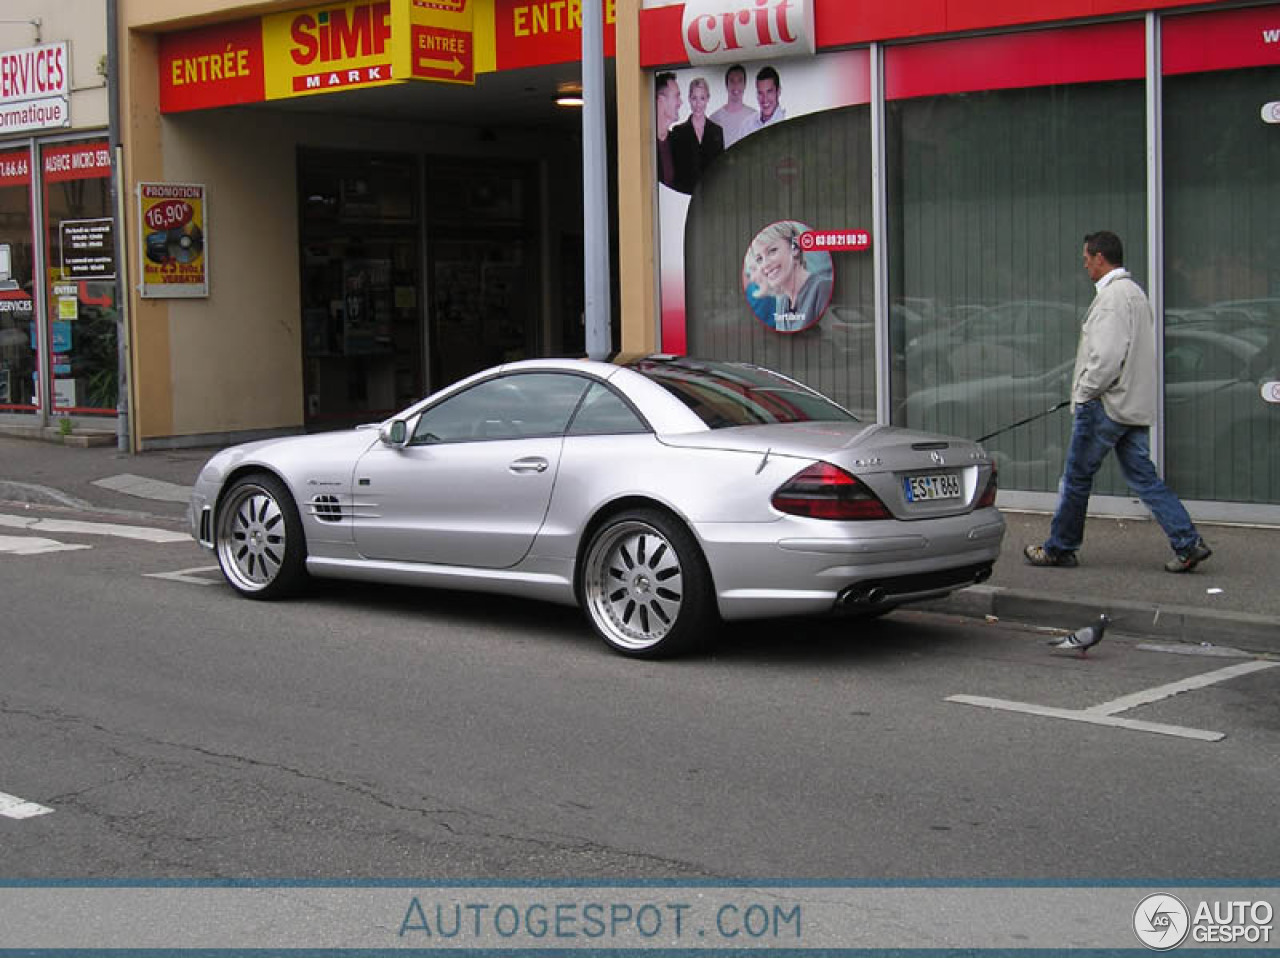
(787, 288)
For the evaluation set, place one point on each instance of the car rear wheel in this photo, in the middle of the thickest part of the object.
(259, 539)
(645, 586)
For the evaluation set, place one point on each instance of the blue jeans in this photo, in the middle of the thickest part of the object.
(1093, 435)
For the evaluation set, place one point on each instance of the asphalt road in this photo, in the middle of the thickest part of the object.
(176, 730)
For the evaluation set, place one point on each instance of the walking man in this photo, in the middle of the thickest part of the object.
(1113, 396)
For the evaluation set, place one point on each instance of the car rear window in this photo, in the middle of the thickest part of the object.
(739, 394)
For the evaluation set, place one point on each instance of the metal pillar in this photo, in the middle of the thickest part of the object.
(595, 184)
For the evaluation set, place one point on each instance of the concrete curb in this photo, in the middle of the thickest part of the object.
(1254, 633)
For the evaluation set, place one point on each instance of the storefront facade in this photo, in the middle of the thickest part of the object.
(361, 223)
(929, 172)
(59, 348)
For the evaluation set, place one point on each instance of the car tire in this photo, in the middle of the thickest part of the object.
(645, 586)
(258, 538)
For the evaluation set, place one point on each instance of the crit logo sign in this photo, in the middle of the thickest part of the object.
(730, 31)
(1161, 922)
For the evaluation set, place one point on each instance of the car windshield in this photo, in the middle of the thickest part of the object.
(739, 394)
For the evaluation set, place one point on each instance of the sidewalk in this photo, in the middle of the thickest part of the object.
(1231, 600)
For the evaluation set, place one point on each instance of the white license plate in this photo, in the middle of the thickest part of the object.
(929, 488)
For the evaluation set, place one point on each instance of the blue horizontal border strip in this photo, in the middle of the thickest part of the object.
(609, 953)
(410, 883)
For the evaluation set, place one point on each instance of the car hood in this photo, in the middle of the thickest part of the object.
(841, 442)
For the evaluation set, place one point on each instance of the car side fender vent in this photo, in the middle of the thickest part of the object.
(327, 508)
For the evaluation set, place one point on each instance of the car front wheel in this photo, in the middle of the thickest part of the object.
(645, 586)
(259, 539)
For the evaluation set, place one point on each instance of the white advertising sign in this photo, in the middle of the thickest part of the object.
(730, 31)
(1271, 392)
(1271, 112)
(35, 84)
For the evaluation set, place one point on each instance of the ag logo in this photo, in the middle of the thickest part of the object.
(1161, 922)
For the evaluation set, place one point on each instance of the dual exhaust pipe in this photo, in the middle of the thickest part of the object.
(868, 594)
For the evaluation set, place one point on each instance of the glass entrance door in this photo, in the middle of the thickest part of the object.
(362, 318)
(484, 278)
(483, 309)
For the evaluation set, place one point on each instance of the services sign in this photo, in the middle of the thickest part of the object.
(35, 86)
(174, 218)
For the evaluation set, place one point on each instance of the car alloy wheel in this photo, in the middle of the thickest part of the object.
(645, 586)
(259, 538)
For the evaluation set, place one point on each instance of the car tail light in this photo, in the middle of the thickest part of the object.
(824, 491)
(988, 497)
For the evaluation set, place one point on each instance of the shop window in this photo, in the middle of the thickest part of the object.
(1002, 153)
(812, 170)
(1222, 257)
(18, 366)
(80, 259)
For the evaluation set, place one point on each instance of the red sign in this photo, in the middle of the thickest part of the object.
(835, 241)
(15, 168)
(80, 161)
(440, 54)
(538, 32)
(1083, 54)
(214, 66)
(1222, 40)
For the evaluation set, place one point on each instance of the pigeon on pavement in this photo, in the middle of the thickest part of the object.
(1083, 639)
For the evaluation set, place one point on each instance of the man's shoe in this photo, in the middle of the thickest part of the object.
(1186, 561)
(1039, 555)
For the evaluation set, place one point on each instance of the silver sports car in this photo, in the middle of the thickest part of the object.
(662, 495)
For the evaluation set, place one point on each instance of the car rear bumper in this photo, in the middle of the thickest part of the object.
(804, 566)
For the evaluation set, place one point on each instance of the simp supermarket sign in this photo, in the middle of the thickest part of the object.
(34, 88)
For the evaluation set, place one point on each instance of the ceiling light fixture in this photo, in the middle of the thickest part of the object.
(569, 95)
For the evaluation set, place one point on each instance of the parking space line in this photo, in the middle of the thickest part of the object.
(11, 806)
(1105, 713)
(185, 575)
(1092, 718)
(1147, 696)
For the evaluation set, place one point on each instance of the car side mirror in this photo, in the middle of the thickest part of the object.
(394, 433)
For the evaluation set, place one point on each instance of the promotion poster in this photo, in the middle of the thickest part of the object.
(174, 218)
(701, 113)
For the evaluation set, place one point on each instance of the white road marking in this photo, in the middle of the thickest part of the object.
(186, 575)
(11, 806)
(35, 545)
(1106, 712)
(1147, 696)
(75, 526)
(145, 488)
(1092, 718)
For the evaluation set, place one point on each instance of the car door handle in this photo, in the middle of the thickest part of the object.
(529, 464)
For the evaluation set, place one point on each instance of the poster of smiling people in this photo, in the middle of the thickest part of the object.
(735, 89)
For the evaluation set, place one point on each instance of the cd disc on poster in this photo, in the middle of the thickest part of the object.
(186, 244)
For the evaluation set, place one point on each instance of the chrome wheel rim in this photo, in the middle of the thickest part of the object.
(251, 538)
(634, 585)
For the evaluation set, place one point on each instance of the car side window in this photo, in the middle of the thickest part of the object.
(603, 413)
(521, 406)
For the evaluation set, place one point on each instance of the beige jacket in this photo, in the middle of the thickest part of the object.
(1116, 359)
